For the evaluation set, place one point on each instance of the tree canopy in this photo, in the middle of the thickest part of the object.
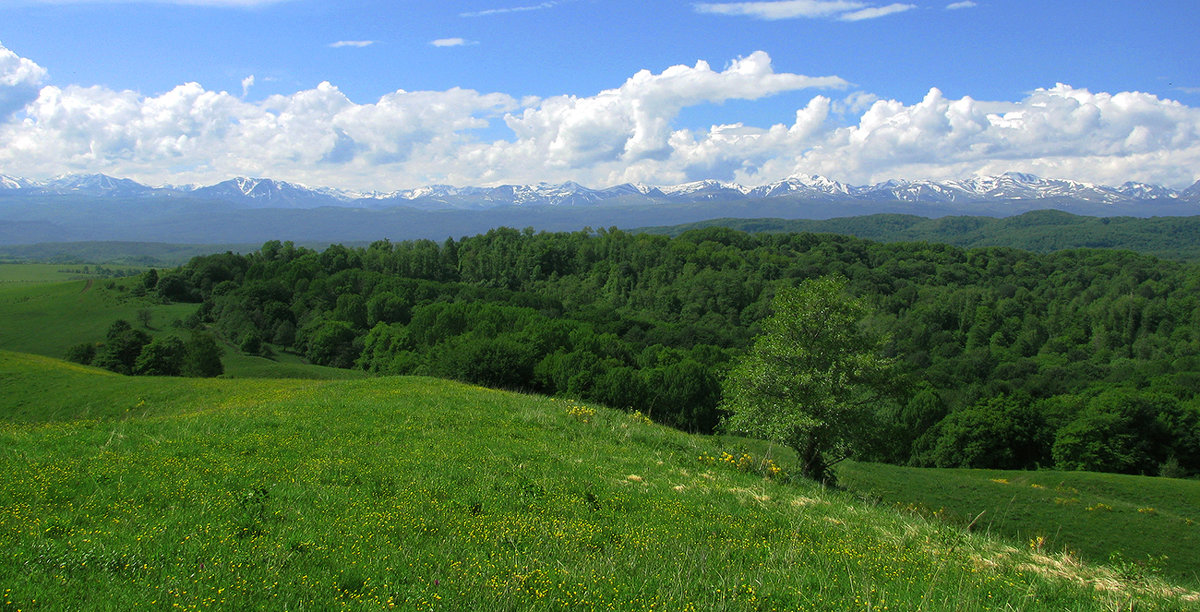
(811, 379)
(655, 322)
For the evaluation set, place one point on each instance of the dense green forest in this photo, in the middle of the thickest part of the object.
(1080, 359)
(1041, 231)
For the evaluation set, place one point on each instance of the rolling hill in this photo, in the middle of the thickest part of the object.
(425, 494)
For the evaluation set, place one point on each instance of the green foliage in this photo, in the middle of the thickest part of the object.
(251, 344)
(145, 316)
(1125, 431)
(1004, 432)
(150, 279)
(175, 287)
(810, 378)
(157, 254)
(130, 351)
(122, 346)
(684, 394)
(331, 343)
(501, 362)
(56, 273)
(83, 353)
(603, 316)
(202, 357)
(163, 356)
(1041, 231)
(50, 318)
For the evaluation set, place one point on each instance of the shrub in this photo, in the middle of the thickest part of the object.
(163, 356)
(83, 353)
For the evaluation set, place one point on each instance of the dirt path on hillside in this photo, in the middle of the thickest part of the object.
(88, 286)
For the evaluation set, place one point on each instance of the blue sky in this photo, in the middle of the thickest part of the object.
(386, 95)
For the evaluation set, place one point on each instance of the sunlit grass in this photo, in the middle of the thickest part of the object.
(426, 494)
(1147, 520)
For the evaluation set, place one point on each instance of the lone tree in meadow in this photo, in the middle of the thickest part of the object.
(811, 377)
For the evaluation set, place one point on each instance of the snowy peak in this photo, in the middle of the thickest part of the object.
(915, 191)
(822, 184)
(247, 187)
(1008, 186)
(1191, 193)
(13, 183)
(269, 193)
(1012, 186)
(790, 186)
(630, 189)
(1142, 191)
(707, 189)
(94, 184)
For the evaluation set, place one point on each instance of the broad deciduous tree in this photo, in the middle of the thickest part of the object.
(811, 377)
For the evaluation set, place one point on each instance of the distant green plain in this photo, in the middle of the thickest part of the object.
(43, 272)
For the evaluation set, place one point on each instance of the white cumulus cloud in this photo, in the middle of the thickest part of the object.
(1059, 131)
(627, 133)
(633, 122)
(190, 134)
(19, 82)
(961, 5)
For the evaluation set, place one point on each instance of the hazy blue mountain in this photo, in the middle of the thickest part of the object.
(248, 210)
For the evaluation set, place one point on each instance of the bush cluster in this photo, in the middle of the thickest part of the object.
(126, 350)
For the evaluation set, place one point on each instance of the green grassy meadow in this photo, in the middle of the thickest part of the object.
(123, 492)
(285, 485)
(47, 318)
(40, 313)
(1093, 514)
(38, 273)
(280, 365)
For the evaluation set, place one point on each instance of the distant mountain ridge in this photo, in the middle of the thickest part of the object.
(269, 193)
(243, 210)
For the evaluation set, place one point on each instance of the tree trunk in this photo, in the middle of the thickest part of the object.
(812, 462)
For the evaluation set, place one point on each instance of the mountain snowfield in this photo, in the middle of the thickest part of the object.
(268, 193)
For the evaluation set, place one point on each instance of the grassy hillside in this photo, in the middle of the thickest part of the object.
(417, 493)
(1141, 519)
(44, 314)
(47, 318)
(280, 365)
(1041, 231)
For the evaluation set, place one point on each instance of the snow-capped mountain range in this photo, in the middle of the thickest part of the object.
(268, 193)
